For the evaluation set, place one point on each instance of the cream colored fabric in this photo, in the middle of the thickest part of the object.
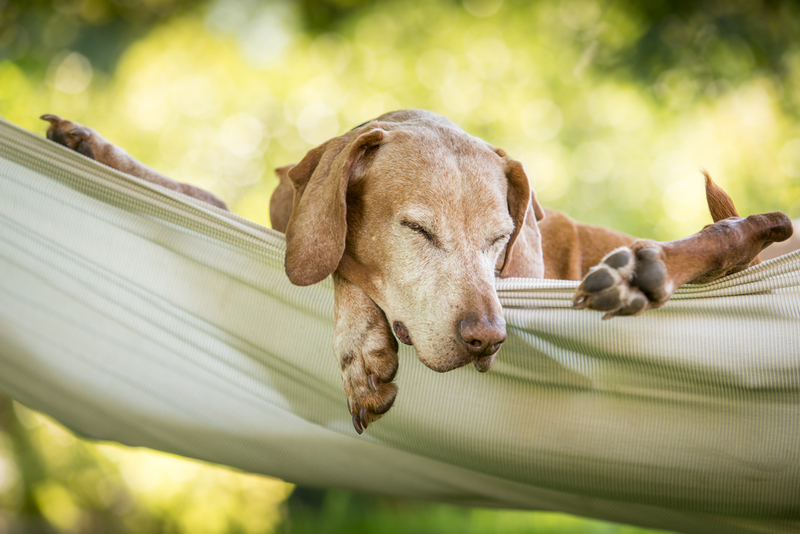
(134, 314)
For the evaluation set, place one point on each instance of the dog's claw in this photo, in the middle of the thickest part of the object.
(80, 133)
(357, 424)
(52, 119)
(364, 417)
(373, 383)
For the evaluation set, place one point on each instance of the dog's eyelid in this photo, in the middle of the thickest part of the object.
(412, 225)
(418, 228)
(503, 237)
(500, 239)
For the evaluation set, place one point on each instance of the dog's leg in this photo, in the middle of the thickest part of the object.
(633, 279)
(367, 353)
(88, 142)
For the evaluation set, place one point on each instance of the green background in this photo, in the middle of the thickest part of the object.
(613, 107)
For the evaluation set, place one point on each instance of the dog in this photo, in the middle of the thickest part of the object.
(414, 219)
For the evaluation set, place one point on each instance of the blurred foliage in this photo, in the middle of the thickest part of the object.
(711, 38)
(613, 107)
(336, 511)
(724, 32)
(33, 31)
(220, 94)
(51, 482)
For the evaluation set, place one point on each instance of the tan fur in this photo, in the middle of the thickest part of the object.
(720, 204)
(91, 144)
(415, 218)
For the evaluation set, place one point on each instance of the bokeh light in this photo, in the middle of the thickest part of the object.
(612, 110)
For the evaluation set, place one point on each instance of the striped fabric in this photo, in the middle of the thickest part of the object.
(135, 314)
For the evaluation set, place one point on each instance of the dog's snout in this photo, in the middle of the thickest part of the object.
(482, 335)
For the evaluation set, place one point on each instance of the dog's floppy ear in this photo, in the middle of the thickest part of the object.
(317, 227)
(523, 254)
(280, 204)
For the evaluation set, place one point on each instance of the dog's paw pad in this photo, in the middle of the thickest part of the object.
(621, 260)
(636, 304)
(606, 286)
(624, 283)
(599, 280)
(651, 275)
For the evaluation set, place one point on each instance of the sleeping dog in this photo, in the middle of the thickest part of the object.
(414, 219)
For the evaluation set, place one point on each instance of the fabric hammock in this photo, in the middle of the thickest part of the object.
(135, 314)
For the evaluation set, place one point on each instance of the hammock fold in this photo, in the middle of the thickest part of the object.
(135, 314)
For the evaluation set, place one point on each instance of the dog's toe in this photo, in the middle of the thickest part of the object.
(70, 134)
(651, 275)
(625, 283)
(368, 377)
(367, 407)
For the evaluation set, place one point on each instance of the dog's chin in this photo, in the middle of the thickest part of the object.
(443, 365)
(484, 363)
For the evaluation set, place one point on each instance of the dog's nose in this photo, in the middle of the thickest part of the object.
(482, 335)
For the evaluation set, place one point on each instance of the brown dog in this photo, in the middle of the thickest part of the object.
(415, 218)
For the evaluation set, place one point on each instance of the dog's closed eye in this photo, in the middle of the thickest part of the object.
(501, 238)
(417, 228)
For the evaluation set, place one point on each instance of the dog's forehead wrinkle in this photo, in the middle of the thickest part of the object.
(471, 200)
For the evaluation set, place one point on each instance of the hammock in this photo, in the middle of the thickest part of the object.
(135, 314)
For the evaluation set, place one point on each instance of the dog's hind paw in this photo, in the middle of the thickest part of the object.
(91, 144)
(73, 135)
(626, 282)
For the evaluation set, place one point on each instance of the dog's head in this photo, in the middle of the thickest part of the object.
(421, 216)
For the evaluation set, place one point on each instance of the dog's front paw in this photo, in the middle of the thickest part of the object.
(368, 375)
(626, 282)
(73, 135)
(367, 353)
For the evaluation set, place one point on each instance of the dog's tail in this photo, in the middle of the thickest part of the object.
(719, 203)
